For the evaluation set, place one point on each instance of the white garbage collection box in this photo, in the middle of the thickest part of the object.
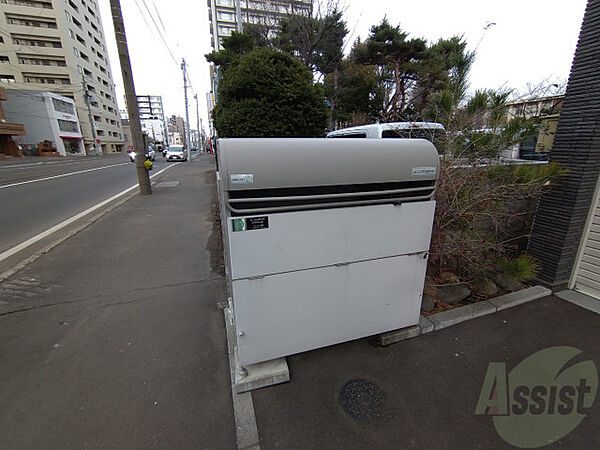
(326, 239)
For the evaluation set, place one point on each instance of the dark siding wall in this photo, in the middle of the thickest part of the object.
(562, 212)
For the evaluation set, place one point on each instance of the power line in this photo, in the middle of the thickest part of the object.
(158, 15)
(143, 16)
(159, 32)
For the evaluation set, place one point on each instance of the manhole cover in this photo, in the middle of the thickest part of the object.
(363, 400)
(166, 184)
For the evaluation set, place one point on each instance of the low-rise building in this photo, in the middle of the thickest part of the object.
(547, 110)
(47, 117)
(7, 130)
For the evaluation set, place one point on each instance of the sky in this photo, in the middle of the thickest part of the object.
(532, 41)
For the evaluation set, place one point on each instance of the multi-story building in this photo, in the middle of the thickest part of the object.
(48, 117)
(152, 117)
(177, 131)
(127, 134)
(150, 106)
(226, 16)
(59, 46)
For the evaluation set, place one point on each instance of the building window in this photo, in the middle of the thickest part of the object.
(225, 16)
(531, 110)
(224, 2)
(225, 31)
(37, 42)
(7, 78)
(46, 79)
(30, 3)
(41, 60)
(4, 59)
(30, 21)
(68, 126)
(62, 106)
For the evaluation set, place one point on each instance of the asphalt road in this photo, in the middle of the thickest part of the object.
(31, 208)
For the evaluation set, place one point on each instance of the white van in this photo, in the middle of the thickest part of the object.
(431, 131)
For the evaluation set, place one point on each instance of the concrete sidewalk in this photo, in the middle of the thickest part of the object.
(114, 338)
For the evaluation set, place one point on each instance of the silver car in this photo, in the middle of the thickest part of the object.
(176, 153)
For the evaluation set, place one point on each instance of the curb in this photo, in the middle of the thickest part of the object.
(455, 316)
(25, 262)
(126, 196)
(246, 430)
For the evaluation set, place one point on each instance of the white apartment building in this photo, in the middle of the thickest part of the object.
(47, 117)
(152, 117)
(59, 46)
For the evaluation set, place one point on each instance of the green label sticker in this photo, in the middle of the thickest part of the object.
(239, 224)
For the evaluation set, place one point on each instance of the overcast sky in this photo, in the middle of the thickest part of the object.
(532, 41)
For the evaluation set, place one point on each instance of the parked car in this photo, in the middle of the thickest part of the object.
(176, 153)
(150, 154)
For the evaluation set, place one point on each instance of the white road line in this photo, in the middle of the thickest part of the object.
(17, 248)
(61, 176)
(39, 163)
(18, 166)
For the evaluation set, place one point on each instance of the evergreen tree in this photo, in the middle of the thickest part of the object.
(268, 93)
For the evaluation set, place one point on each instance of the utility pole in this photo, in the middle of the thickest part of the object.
(132, 104)
(187, 114)
(166, 125)
(86, 96)
(197, 122)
